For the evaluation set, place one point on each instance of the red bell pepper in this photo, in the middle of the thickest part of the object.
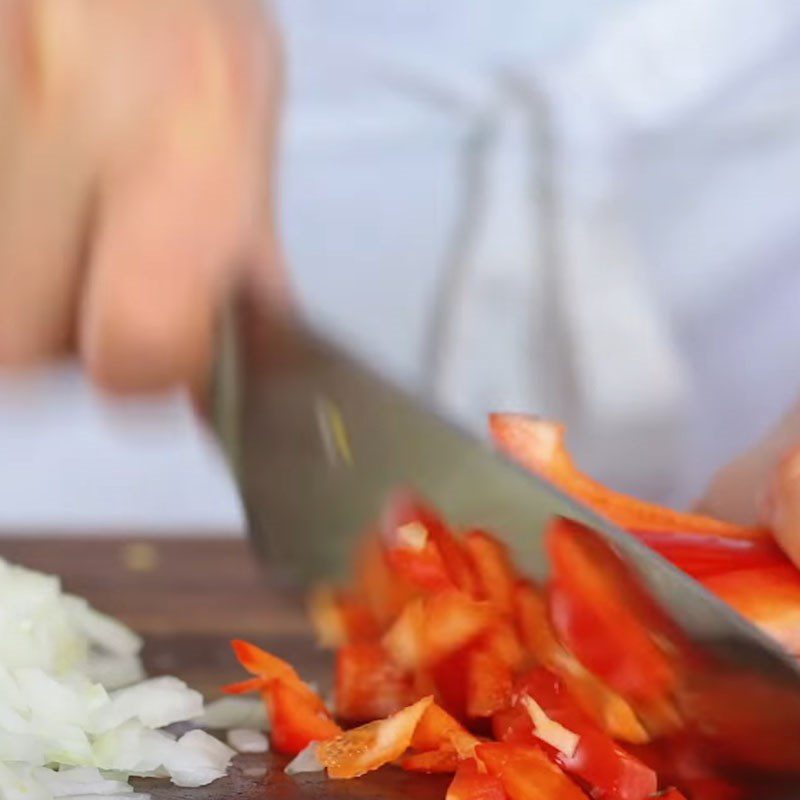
(611, 772)
(710, 554)
(527, 773)
(489, 683)
(340, 619)
(470, 783)
(432, 628)
(437, 730)
(294, 721)
(369, 684)
(605, 707)
(369, 747)
(496, 576)
(768, 597)
(603, 618)
(539, 446)
(420, 547)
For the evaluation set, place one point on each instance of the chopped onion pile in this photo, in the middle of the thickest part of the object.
(66, 728)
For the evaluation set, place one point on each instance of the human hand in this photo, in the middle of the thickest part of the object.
(135, 180)
(762, 486)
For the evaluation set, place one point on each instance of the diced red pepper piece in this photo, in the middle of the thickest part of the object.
(438, 730)
(369, 684)
(376, 586)
(269, 668)
(709, 554)
(421, 548)
(527, 773)
(603, 618)
(502, 639)
(489, 683)
(769, 597)
(610, 771)
(470, 783)
(432, 628)
(369, 747)
(432, 761)
(295, 722)
(534, 626)
(539, 446)
(340, 619)
(492, 564)
(605, 707)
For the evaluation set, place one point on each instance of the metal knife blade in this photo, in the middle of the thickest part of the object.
(318, 441)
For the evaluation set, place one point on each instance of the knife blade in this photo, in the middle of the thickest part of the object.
(318, 441)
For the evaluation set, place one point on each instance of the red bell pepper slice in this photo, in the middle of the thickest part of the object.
(432, 628)
(489, 683)
(611, 772)
(340, 619)
(605, 707)
(503, 640)
(370, 746)
(527, 773)
(768, 597)
(496, 576)
(437, 730)
(421, 549)
(268, 668)
(369, 684)
(470, 783)
(539, 446)
(603, 618)
(294, 721)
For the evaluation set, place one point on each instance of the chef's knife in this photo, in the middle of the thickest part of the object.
(318, 441)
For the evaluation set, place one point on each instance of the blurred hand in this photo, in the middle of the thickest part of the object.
(136, 144)
(763, 486)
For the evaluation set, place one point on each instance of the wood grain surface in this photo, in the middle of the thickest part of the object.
(188, 598)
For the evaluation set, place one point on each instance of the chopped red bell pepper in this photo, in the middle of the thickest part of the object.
(527, 773)
(603, 618)
(432, 628)
(268, 668)
(438, 730)
(489, 683)
(502, 639)
(470, 783)
(709, 554)
(768, 597)
(492, 564)
(369, 684)
(294, 721)
(598, 760)
(340, 619)
(420, 547)
(370, 746)
(539, 446)
(605, 707)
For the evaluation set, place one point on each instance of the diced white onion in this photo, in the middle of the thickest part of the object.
(305, 761)
(234, 712)
(245, 740)
(550, 731)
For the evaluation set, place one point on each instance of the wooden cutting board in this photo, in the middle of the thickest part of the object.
(188, 598)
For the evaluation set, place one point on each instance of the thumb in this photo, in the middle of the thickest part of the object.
(762, 486)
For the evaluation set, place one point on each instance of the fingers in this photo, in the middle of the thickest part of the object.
(167, 242)
(762, 487)
(44, 196)
(43, 214)
(177, 220)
